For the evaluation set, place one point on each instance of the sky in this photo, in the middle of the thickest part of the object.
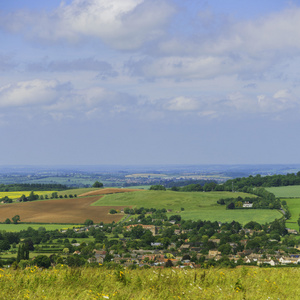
(86, 82)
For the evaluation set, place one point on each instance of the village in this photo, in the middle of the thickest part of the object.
(173, 244)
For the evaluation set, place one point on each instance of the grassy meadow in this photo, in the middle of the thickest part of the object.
(291, 191)
(197, 205)
(21, 226)
(65, 283)
(291, 194)
(294, 207)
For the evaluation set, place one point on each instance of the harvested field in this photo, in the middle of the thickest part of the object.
(75, 211)
(108, 191)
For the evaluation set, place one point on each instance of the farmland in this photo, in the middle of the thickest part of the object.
(291, 191)
(196, 205)
(15, 195)
(107, 191)
(75, 210)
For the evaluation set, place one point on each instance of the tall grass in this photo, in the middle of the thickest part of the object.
(102, 283)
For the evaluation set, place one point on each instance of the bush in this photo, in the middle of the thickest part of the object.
(42, 261)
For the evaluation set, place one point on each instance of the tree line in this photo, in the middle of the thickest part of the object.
(32, 187)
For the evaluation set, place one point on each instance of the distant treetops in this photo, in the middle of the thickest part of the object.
(97, 184)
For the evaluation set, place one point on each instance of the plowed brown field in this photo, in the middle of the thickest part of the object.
(74, 210)
(108, 191)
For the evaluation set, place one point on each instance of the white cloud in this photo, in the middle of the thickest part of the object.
(182, 104)
(125, 24)
(25, 93)
(248, 49)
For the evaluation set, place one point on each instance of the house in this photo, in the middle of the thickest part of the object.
(247, 204)
(156, 244)
(213, 253)
(292, 231)
(271, 262)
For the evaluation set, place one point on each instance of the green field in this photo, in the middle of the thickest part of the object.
(197, 205)
(294, 207)
(291, 191)
(144, 187)
(19, 227)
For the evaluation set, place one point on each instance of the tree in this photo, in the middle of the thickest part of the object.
(176, 218)
(157, 187)
(97, 184)
(16, 219)
(230, 206)
(168, 264)
(42, 261)
(112, 211)
(225, 249)
(7, 221)
(54, 195)
(4, 245)
(32, 196)
(88, 222)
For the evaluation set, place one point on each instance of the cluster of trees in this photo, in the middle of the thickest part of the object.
(185, 182)
(157, 187)
(97, 184)
(258, 202)
(32, 187)
(196, 187)
(6, 199)
(15, 220)
(243, 184)
(32, 196)
(263, 181)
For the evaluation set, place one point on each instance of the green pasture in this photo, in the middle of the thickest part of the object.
(197, 205)
(294, 207)
(291, 191)
(19, 227)
(144, 187)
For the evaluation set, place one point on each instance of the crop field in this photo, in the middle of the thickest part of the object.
(66, 283)
(75, 210)
(107, 191)
(15, 195)
(291, 191)
(197, 205)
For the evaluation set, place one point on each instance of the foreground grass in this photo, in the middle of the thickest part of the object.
(101, 283)
(197, 205)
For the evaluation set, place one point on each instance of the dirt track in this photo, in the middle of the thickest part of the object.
(108, 191)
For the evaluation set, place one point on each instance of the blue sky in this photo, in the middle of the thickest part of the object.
(149, 82)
